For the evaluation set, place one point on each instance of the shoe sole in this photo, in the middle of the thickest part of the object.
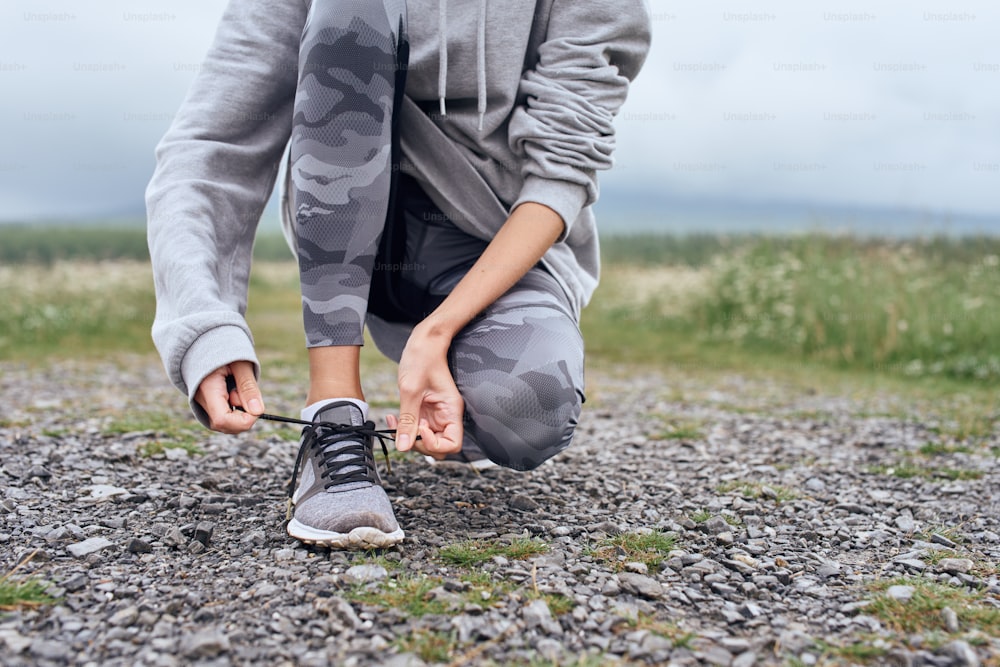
(362, 537)
(478, 464)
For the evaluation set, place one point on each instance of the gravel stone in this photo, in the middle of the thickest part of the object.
(204, 644)
(137, 546)
(89, 546)
(640, 584)
(901, 593)
(362, 574)
(950, 619)
(523, 503)
(955, 565)
(222, 584)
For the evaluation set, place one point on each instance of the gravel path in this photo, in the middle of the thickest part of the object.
(784, 509)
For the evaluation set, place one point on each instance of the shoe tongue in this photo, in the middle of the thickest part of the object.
(341, 412)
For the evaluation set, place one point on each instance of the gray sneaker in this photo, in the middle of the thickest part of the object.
(338, 499)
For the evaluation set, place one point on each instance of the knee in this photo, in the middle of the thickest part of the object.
(524, 420)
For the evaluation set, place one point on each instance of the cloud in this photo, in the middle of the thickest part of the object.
(845, 103)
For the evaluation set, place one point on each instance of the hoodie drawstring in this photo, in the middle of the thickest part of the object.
(442, 52)
(481, 64)
(480, 58)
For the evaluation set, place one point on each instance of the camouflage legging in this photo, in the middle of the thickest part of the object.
(519, 365)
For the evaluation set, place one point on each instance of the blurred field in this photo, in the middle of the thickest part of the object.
(913, 309)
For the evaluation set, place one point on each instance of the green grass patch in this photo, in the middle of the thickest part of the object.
(475, 552)
(864, 650)
(158, 447)
(908, 469)
(701, 516)
(685, 430)
(23, 593)
(647, 548)
(173, 432)
(922, 612)
(942, 449)
(431, 646)
(407, 593)
(677, 636)
(755, 490)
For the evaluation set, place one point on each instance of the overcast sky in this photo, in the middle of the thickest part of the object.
(888, 104)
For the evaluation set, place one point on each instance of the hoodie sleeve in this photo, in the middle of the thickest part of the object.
(564, 130)
(215, 169)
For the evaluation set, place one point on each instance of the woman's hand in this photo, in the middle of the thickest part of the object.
(217, 400)
(429, 403)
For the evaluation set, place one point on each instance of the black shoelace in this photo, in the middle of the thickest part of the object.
(357, 455)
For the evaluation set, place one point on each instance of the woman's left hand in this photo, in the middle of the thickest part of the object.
(429, 403)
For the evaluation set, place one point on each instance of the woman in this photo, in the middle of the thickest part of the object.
(440, 169)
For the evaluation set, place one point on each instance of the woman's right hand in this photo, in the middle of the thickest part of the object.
(217, 400)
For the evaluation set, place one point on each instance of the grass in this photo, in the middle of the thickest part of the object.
(908, 469)
(775, 492)
(820, 313)
(922, 613)
(679, 637)
(681, 430)
(647, 548)
(430, 646)
(407, 593)
(20, 592)
(474, 552)
(172, 432)
(941, 449)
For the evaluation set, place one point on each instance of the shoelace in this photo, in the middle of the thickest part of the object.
(357, 455)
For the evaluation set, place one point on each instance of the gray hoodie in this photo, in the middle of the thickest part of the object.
(529, 92)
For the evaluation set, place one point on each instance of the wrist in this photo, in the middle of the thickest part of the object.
(437, 328)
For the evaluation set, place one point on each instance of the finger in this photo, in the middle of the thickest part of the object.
(406, 426)
(213, 397)
(246, 386)
(450, 439)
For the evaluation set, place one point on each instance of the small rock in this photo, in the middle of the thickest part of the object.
(204, 644)
(905, 523)
(961, 653)
(536, 613)
(828, 570)
(900, 593)
(937, 538)
(137, 546)
(640, 584)
(725, 537)
(523, 503)
(47, 649)
(950, 619)
(747, 659)
(607, 527)
(361, 574)
(640, 568)
(15, 641)
(715, 526)
(913, 564)
(75, 583)
(815, 484)
(203, 532)
(124, 617)
(955, 565)
(89, 546)
(100, 492)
